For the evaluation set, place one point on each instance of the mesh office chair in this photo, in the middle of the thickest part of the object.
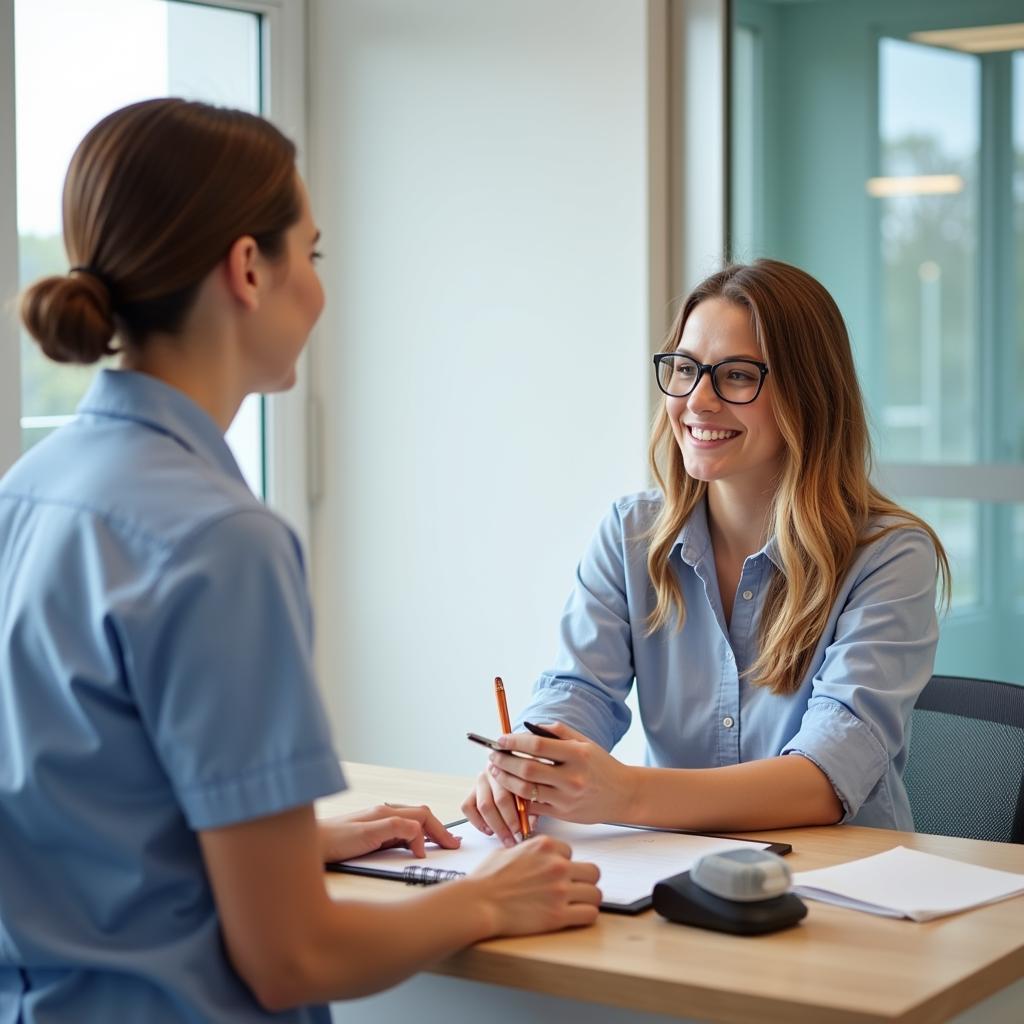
(965, 768)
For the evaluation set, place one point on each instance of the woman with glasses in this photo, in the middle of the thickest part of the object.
(775, 612)
(162, 738)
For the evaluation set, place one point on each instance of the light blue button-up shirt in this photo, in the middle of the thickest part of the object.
(850, 715)
(155, 679)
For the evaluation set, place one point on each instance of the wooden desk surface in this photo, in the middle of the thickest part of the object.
(837, 965)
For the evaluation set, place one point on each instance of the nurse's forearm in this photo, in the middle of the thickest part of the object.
(353, 949)
(358, 948)
(292, 944)
(778, 792)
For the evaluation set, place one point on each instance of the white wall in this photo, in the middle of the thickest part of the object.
(480, 173)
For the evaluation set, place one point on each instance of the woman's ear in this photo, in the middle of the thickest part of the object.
(243, 269)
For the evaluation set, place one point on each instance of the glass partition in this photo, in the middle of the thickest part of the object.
(881, 147)
(926, 205)
(1015, 428)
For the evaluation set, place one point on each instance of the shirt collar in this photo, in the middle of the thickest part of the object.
(771, 549)
(129, 395)
(694, 540)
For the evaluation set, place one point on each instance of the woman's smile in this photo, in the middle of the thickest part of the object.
(708, 436)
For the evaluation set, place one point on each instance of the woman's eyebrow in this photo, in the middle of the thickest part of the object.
(724, 359)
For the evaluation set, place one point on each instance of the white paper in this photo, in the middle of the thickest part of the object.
(908, 883)
(631, 860)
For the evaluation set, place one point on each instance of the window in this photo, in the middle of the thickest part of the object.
(876, 146)
(75, 63)
(926, 206)
(927, 210)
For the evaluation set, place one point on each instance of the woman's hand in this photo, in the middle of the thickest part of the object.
(536, 888)
(381, 828)
(588, 785)
(492, 809)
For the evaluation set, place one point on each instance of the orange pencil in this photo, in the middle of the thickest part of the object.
(506, 726)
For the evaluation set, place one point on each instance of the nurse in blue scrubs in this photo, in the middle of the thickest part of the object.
(161, 734)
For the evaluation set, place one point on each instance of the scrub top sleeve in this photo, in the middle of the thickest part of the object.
(592, 676)
(879, 660)
(225, 683)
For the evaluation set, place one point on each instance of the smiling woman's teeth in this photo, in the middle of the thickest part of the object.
(712, 435)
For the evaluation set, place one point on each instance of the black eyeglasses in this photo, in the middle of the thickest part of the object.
(737, 381)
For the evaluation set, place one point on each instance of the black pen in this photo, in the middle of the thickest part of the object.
(539, 730)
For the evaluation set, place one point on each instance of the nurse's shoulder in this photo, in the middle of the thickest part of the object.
(141, 463)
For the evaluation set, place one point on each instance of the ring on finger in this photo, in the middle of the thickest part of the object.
(535, 794)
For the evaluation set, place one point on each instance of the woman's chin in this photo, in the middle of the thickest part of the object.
(701, 469)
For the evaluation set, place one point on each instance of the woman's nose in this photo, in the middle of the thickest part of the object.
(703, 396)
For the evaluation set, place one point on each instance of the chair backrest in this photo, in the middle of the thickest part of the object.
(965, 768)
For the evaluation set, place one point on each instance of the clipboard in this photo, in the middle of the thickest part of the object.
(633, 859)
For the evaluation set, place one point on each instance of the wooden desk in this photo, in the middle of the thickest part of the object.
(839, 966)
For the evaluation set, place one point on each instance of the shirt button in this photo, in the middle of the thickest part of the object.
(728, 722)
(728, 654)
(747, 595)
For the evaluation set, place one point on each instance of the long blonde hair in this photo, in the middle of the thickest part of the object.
(824, 503)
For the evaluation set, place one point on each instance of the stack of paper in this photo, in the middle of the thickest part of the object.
(907, 883)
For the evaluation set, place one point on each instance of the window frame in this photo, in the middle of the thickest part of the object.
(283, 101)
(10, 357)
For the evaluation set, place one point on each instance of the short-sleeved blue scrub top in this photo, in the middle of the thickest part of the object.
(156, 679)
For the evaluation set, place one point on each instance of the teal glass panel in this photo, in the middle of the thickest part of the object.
(1018, 564)
(890, 165)
(746, 144)
(1017, 407)
(929, 131)
(958, 525)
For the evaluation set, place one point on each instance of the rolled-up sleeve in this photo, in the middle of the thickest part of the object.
(592, 676)
(879, 658)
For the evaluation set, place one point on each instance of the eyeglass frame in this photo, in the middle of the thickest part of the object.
(710, 369)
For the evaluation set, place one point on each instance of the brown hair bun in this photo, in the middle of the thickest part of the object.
(70, 317)
(155, 195)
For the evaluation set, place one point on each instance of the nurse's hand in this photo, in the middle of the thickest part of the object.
(588, 786)
(536, 887)
(381, 828)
